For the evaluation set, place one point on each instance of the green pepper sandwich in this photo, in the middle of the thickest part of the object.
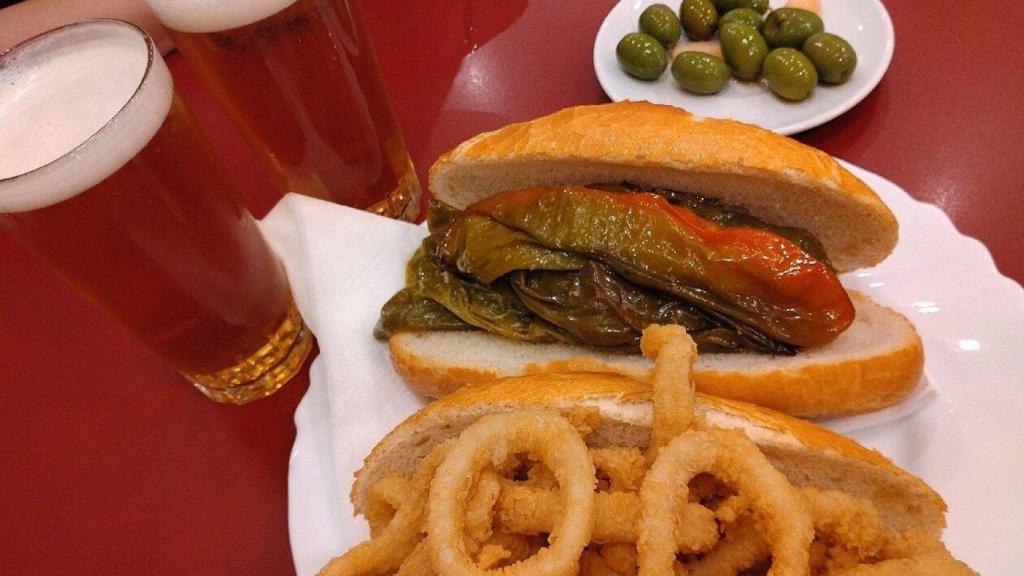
(553, 243)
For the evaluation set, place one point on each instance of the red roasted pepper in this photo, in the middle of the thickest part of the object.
(751, 275)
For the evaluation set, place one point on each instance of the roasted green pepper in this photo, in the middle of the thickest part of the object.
(409, 311)
(487, 307)
(486, 250)
(752, 276)
(597, 266)
(599, 307)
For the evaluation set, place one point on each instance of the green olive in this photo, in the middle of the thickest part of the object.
(744, 49)
(789, 73)
(700, 73)
(641, 56)
(742, 16)
(700, 19)
(833, 57)
(790, 27)
(759, 6)
(659, 21)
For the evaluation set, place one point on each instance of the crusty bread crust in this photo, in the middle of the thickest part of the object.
(853, 380)
(773, 177)
(855, 386)
(806, 453)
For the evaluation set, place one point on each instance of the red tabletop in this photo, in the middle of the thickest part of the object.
(111, 464)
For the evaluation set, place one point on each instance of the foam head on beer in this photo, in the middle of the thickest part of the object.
(201, 16)
(59, 96)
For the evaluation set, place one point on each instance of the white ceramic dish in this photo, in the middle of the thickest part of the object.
(864, 23)
(968, 444)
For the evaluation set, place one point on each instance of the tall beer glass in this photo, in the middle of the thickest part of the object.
(300, 80)
(106, 175)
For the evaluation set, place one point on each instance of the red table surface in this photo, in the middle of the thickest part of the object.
(111, 464)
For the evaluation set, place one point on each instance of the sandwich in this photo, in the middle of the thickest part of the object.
(601, 474)
(554, 243)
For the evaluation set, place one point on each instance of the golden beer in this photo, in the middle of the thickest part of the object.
(105, 175)
(301, 82)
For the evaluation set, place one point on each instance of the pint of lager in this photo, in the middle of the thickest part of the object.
(300, 80)
(105, 175)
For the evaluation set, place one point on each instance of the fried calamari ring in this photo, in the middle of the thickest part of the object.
(540, 476)
(849, 531)
(519, 546)
(620, 557)
(480, 508)
(780, 513)
(674, 354)
(491, 554)
(624, 468)
(740, 549)
(418, 562)
(593, 564)
(385, 553)
(383, 501)
(731, 508)
(526, 510)
(489, 442)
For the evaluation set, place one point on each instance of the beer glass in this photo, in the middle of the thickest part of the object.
(300, 80)
(105, 175)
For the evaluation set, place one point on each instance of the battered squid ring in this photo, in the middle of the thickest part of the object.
(386, 552)
(779, 512)
(489, 442)
(384, 500)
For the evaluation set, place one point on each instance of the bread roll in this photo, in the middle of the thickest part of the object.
(774, 178)
(807, 454)
(875, 363)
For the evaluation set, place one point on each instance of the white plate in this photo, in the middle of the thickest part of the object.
(969, 445)
(864, 23)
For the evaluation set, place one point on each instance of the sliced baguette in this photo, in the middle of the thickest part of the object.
(770, 176)
(807, 454)
(873, 364)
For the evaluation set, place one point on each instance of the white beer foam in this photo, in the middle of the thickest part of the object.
(68, 117)
(200, 16)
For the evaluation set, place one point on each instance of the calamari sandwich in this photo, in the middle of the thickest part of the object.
(603, 475)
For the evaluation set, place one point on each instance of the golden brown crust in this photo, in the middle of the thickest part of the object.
(551, 390)
(562, 391)
(851, 387)
(774, 177)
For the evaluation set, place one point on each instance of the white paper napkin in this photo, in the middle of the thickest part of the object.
(343, 265)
